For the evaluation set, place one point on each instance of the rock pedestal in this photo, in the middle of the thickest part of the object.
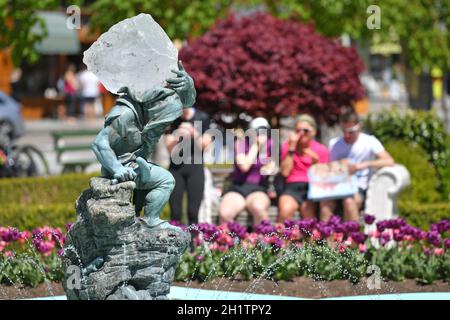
(114, 254)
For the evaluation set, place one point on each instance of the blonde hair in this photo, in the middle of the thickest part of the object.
(308, 119)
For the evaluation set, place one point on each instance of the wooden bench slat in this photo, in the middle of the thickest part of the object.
(60, 135)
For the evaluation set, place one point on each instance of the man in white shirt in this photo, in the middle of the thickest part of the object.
(90, 90)
(364, 152)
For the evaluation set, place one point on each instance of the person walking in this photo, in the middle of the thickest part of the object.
(71, 86)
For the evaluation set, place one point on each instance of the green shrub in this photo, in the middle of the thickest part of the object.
(422, 128)
(43, 190)
(27, 217)
(444, 173)
(424, 180)
(423, 214)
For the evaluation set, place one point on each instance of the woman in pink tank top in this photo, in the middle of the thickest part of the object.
(298, 154)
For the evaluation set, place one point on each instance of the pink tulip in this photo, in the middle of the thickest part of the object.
(438, 251)
(408, 238)
(362, 247)
(316, 235)
(223, 227)
(348, 241)
(252, 238)
(279, 227)
(214, 246)
(338, 237)
(295, 234)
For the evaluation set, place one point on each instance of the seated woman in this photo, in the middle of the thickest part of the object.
(248, 189)
(298, 154)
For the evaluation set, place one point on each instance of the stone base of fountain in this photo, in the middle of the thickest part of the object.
(111, 254)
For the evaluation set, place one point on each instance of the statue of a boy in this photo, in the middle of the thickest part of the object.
(132, 130)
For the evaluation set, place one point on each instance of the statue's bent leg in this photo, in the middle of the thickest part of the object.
(160, 186)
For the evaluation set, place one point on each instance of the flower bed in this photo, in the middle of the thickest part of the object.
(323, 251)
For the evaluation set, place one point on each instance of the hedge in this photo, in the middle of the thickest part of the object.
(27, 203)
(28, 217)
(43, 190)
(423, 214)
(424, 179)
(422, 128)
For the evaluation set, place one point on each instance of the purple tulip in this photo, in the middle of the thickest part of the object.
(210, 231)
(289, 223)
(396, 223)
(351, 226)
(287, 234)
(447, 243)
(334, 221)
(10, 234)
(265, 227)
(381, 226)
(325, 229)
(278, 243)
(385, 238)
(358, 237)
(398, 236)
(237, 229)
(369, 219)
(441, 227)
(433, 237)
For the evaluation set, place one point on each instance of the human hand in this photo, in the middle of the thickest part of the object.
(293, 140)
(352, 168)
(186, 129)
(309, 152)
(269, 169)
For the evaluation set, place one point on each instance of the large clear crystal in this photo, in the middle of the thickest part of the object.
(136, 53)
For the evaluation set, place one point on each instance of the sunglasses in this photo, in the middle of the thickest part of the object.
(303, 130)
(353, 129)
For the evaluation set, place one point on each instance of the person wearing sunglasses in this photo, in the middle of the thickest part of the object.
(365, 154)
(298, 154)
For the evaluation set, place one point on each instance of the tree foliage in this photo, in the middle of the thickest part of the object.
(261, 65)
(17, 19)
(179, 18)
(422, 25)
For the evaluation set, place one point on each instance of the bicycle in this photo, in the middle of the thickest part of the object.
(20, 161)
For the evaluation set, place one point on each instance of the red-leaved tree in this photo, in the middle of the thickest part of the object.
(264, 66)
